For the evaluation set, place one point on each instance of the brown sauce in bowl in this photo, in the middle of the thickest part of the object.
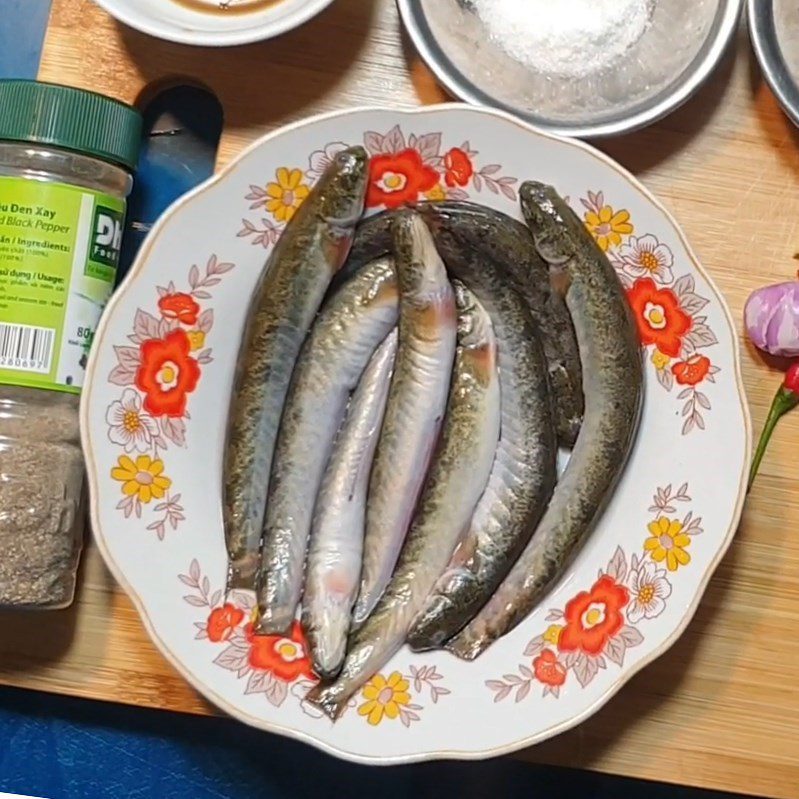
(226, 7)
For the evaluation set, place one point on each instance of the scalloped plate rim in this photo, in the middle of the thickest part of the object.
(269, 726)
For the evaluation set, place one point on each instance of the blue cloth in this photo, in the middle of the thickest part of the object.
(182, 126)
(76, 749)
(22, 26)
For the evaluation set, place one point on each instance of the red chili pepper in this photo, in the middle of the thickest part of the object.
(791, 381)
(786, 398)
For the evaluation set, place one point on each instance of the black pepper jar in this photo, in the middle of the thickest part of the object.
(66, 158)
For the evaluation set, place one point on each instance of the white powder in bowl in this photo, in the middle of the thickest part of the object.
(571, 38)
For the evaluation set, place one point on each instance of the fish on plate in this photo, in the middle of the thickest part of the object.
(336, 547)
(457, 478)
(415, 407)
(613, 386)
(312, 248)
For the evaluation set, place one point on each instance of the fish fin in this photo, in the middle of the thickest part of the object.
(273, 625)
(419, 644)
(559, 279)
(484, 360)
(325, 674)
(364, 605)
(387, 294)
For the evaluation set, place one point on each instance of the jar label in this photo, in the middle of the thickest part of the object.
(59, 250)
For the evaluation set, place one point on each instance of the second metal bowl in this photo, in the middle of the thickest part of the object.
(682, 43)
(774, 28)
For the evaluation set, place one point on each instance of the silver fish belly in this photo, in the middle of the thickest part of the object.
(335, 550)
(343, 339)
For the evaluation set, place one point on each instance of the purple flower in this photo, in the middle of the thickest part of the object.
(771, 317)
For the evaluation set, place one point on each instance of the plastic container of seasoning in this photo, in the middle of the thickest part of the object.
(66, 158)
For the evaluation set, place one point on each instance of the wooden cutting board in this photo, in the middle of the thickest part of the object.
(720, 709)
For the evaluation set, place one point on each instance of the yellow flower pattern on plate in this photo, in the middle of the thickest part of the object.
(553, 633)
(659, 359)
(436, 193)
(668, 543)
(286, 194)
(196, 339)
(384, 697)
(608, 227)
(142, 478)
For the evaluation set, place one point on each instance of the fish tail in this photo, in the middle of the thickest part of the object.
(326, 631)
(420, 643)
(426, 639)
(427, 631)
(325, 673)
(467, 647)
(329, 699)
(360, 613)
(270, 623)
(273, 619)
(241, 573)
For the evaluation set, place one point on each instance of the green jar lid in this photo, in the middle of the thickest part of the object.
(85, 122)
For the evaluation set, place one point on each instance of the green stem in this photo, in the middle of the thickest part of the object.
(784, 400)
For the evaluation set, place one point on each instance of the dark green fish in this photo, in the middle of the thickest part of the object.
(508, 241)
(298, 272)
(613, 388)
(523, 474)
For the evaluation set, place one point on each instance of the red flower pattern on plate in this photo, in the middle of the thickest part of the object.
(180, 306)
(599, 626)
(167, 374)
(278, 665)
(157, 375)
(593, 617)
(222, 621)
(658, 315)
(548, 670)
(459, 168)
(692, 371)
(399, 178)
(284, 656)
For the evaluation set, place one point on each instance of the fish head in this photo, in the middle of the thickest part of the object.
(475, 334)
(342, 188)
(549, 219)
(474, 324)
(420, 270)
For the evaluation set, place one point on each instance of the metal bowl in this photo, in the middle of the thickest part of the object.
(684, 41)
(774, 28)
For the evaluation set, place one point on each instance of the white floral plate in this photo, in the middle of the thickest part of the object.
(153, 421)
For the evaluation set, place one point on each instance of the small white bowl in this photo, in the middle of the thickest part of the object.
(186, 21)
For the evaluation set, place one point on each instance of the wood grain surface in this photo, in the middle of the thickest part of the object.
(720, 709)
